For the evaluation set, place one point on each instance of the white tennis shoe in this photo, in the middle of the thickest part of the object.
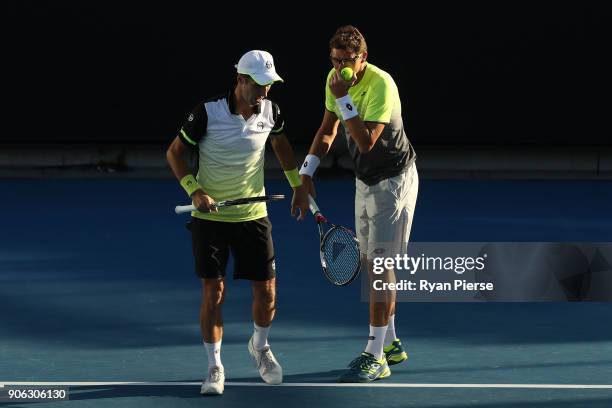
(269, 369)
(215, 382)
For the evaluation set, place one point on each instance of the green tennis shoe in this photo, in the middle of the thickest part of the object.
(394, 353)
(365, 368)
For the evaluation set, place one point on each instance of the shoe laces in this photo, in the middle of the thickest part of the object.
(215, 374)
(364, 362)
(267, 359)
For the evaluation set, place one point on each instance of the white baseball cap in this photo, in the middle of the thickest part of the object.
(259, 65)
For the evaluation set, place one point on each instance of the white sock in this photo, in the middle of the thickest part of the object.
(390, 336)
(375, 341)
(214, 354)
(260, 336)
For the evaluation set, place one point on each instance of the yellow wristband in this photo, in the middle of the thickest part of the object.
(190, 184)
(293, 177)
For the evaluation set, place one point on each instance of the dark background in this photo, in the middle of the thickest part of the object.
(467, 74)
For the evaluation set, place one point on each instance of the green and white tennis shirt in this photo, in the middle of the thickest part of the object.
(377, 100)
(231, 153)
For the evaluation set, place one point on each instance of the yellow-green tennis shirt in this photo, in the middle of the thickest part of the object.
(377, 100)
(231, 154)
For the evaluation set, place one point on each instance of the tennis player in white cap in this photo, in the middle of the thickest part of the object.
(229, 132)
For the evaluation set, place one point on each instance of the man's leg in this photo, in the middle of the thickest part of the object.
(264, 307)
(383, 217)
(211, 321)
(211, 253)
(382, 313)
(254, 255)
(264, 302)
(211, 327)
(381, 305)
(409, 188)
(370, 365)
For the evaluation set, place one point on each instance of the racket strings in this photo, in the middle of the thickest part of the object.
(341, 255)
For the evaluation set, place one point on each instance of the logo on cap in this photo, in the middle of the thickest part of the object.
(260, 66)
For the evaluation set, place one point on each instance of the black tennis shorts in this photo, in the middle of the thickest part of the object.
(250, 243)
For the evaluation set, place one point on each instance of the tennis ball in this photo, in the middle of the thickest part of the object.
(347, 74)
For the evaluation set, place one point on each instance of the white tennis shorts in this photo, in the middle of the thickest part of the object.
(384, 212)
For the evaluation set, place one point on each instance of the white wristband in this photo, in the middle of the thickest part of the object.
(311, 162)
(347, 107)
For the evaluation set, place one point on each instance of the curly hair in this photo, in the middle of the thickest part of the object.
(348, 38)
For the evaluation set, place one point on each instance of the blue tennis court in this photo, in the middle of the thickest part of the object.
(97, 286)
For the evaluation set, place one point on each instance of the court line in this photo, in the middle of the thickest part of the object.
(341, 385)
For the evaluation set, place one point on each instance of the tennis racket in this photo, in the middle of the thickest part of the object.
(181, 209)
(339, 249)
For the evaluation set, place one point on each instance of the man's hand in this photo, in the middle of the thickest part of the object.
(299, 200)
(338, 86)
(203, 202)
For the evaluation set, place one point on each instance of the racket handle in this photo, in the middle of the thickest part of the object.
(181, 209)
(314, 208)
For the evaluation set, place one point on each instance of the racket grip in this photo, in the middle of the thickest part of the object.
(181, 209)
(314, 208)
